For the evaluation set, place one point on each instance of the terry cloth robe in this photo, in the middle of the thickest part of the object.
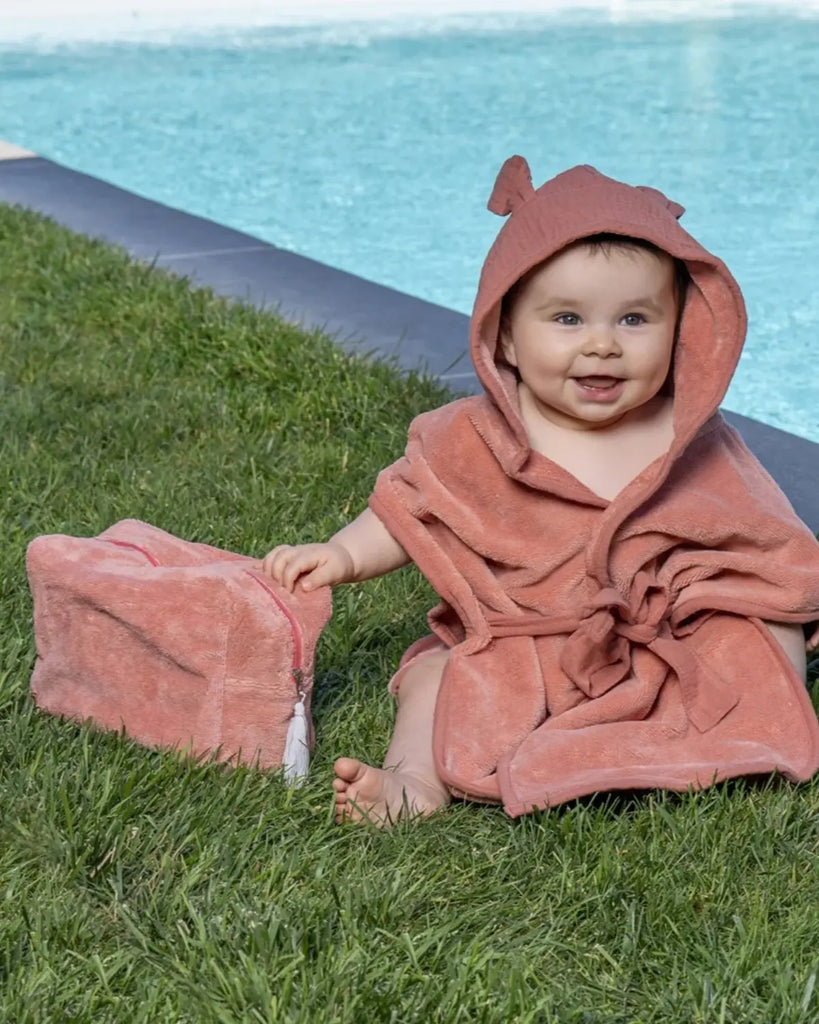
(600, 645)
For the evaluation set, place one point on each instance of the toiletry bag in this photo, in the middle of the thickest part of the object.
(178, 644)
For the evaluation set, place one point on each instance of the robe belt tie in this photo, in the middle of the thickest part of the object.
(599, 650)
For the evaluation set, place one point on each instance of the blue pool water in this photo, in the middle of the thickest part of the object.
(374, 148)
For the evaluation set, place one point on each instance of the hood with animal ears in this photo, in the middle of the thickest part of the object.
(582, 202)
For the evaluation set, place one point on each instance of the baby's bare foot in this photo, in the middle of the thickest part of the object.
(382, 795)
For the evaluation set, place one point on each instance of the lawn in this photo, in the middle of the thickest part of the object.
(137, 887)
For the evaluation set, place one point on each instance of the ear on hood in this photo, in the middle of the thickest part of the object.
(513, 187)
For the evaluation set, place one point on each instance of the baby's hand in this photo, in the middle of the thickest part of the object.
(813, 641)
(314, 565)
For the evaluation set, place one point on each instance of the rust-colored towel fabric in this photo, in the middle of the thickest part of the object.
(599, 645)
(181, 644)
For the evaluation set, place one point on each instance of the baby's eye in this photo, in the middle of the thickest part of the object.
(567, 319)
(633, 319)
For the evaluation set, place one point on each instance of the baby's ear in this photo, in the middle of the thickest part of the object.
(513, 186)
(506, 347)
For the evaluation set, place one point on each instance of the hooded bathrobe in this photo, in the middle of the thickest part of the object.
(599, 645)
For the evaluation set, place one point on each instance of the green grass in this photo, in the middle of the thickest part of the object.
(139, 888)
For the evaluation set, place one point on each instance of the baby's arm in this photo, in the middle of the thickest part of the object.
(363, 549)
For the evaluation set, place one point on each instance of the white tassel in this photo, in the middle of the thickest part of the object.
(296, 758)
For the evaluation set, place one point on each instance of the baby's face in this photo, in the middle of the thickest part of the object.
(592, 334)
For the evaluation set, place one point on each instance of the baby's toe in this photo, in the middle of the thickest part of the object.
(349, 769)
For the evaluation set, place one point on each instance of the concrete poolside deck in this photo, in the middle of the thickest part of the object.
(361, 315)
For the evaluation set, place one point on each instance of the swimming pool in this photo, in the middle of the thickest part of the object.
(373, 146)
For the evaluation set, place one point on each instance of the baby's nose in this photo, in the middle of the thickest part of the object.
(602, 340)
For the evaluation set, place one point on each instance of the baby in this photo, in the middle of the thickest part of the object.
(622, 585)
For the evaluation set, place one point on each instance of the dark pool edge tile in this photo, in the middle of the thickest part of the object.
(361, 315)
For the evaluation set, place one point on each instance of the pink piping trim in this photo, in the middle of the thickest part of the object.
(134, 547)
(294, 626)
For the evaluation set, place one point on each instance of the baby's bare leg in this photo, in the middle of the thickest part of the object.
(408, 783)
(792, 641)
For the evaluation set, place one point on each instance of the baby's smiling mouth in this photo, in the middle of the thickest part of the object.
(598, 382)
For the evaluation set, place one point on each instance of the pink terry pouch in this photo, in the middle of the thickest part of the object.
(179, 644)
